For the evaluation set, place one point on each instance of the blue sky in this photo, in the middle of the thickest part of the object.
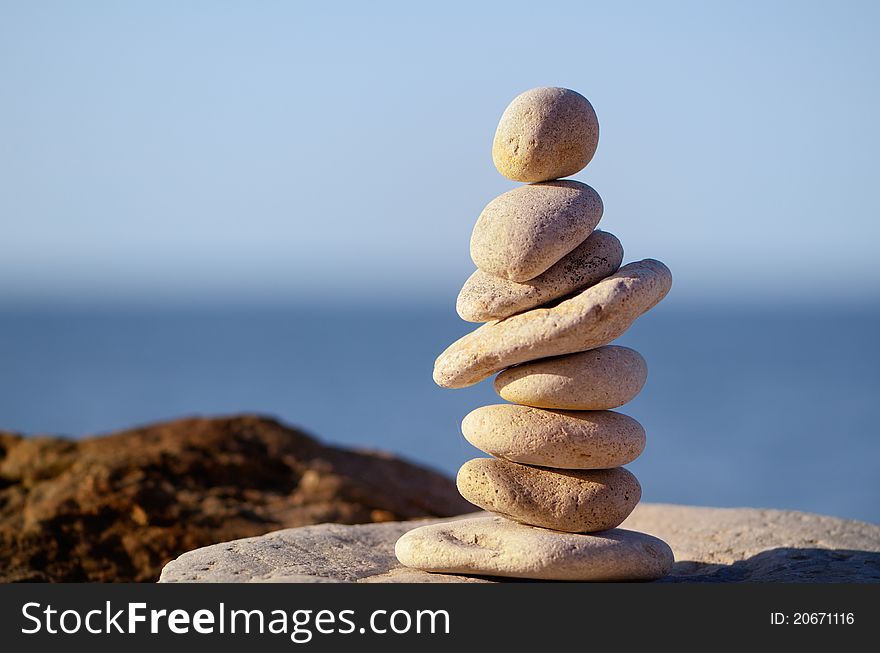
(288, 152)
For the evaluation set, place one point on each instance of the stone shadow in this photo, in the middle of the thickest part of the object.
(785, 565)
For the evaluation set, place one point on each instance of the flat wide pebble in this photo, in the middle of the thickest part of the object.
(590, 319)
(486, 297)
(494, 546)
(598, 379)
(560, 439)
(545, 133)
(575, 501)
(524, 231)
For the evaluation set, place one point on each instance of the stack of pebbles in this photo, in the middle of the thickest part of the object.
(553, 295)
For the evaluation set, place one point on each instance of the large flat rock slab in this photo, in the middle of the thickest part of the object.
(710, 545)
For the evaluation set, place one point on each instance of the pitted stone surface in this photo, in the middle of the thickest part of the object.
(710, 545)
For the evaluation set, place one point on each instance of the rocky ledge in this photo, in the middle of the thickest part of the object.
(118, 507)
(710, 545)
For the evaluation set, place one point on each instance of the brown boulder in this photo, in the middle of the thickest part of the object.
(118, 507)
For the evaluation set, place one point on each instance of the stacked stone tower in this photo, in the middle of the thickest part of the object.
(553, 295)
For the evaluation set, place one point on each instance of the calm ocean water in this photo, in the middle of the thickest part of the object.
(751, 406)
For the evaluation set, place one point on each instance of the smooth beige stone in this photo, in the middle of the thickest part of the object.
(598, 439)
(522, 232)
(576, 501)
(545, 133)
(598, 379)
(590, 319)
(486, 297)
(494, 546)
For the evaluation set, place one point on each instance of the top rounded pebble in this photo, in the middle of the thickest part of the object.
(545, 133)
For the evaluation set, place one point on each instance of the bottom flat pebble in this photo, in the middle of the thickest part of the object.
(495, 546)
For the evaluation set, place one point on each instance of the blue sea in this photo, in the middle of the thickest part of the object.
(744, 406)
